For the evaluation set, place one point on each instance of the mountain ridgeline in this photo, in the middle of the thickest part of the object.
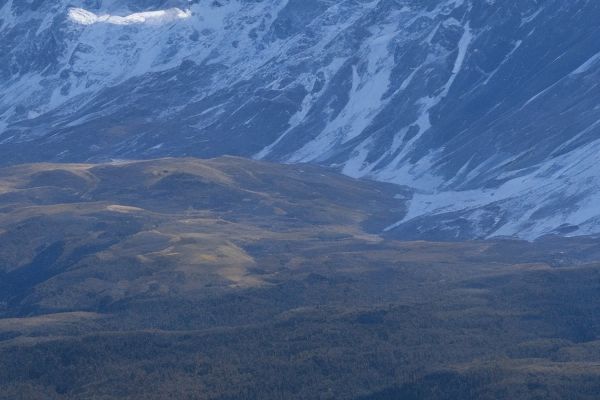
(487, 109)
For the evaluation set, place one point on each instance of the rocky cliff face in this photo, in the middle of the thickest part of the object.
(488, 109)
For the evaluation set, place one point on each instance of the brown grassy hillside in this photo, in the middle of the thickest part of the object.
(234, 279)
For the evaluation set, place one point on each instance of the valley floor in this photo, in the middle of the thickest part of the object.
(233, 279)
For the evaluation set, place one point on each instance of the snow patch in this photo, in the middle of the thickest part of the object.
(84, 17)
(560, 191)
(586, 66)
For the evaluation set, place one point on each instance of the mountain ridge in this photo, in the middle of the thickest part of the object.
(486, 109)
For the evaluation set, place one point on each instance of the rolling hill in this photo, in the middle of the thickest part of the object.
(235, 279)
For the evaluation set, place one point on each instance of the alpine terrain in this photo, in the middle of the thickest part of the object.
(487, 109)
(300, 199)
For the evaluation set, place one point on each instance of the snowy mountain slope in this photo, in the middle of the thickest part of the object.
(488, 109)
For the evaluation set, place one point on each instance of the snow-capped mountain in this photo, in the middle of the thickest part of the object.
(489, 109)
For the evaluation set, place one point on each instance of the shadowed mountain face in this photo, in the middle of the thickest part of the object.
(237, 279)
(487, 108)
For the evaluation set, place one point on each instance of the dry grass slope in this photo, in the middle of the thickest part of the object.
(236, 279)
